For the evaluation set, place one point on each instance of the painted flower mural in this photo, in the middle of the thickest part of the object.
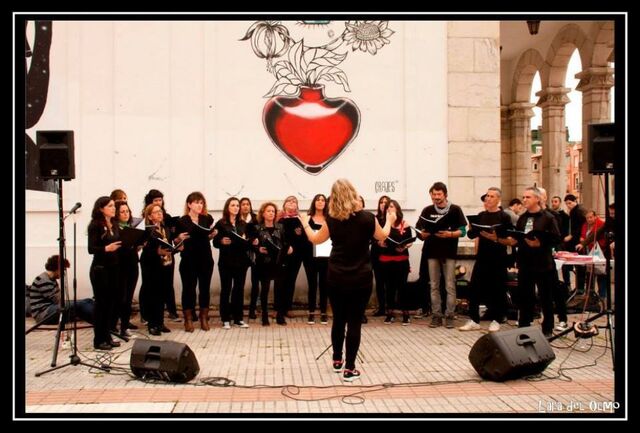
(309, 128)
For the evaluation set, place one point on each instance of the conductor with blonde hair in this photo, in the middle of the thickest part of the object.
(349, 276)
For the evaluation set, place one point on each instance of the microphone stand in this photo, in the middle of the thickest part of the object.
(608, 311)
(74, 359)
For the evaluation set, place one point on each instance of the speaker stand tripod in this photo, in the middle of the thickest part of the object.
(74, 359)
(608, 311)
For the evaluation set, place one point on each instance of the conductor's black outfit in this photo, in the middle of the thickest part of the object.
(349, 279)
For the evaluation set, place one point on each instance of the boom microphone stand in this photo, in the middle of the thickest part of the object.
(74, 359)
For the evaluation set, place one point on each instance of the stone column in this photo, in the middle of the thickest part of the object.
(595, 85)
(554, 139)
(473, 91)
(506, 181)
(520, 114)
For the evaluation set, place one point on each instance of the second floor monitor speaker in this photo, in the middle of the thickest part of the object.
(511, 354)
(56, 154)
(163, 360)
(602, 145)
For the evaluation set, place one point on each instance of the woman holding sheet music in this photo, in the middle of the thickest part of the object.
(349, 275)
(249, 216)
(196, 266)
(272, 248)
(302, 250)
(156, 262)
(381, 214)
(318, 213)
(156, 197)
(128, 271)
(394, 263)
(103, 244)
(233, 262)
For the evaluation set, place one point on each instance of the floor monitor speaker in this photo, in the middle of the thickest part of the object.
(164, 360)
(511, 354)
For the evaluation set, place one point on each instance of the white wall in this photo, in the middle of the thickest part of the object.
(177, 106)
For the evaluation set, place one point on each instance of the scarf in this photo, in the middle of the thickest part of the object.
(401, 227)
(287, 214)
(444, 210)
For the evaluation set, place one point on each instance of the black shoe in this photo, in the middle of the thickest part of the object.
(103, 346)
(265, 322)
(280, 320)
(132, 326)
(350, 375)
(252, 315)
(114, 343)
(154, 331)
(165, 329)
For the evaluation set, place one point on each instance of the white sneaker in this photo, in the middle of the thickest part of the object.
(494, 326)
(562, 326)
(469, 326)
(226, 325)
(241, 324)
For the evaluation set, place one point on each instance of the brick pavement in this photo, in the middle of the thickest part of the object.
(413, 370)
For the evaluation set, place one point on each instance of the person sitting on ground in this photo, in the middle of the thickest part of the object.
(44, 296)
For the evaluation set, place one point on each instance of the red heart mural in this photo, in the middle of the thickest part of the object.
(309, 129)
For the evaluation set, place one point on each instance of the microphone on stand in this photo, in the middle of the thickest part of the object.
(75, 207)
(73, 210)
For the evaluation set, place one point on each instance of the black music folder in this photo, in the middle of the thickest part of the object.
(132, 238)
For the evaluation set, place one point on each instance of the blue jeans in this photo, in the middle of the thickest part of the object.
(449, 278)
(84, 311)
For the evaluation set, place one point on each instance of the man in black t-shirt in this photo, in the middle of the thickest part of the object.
(489, 277)
(535, 260)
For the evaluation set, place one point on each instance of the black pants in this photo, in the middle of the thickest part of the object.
(292, 268)
(232, 280)
(104, 280)
(378, 277)
(527, 282)
(266, 274)
(155, 279)
(395, 284)
(319, 280)
(196, 272)
(129, 278)
(348, 306)
(560, 292)
(424, 301)
(170, 293)
(255, 287)
(488, 282)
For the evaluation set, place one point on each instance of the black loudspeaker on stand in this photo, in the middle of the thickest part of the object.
(56, 162)
(511, 354)
(163, 360)
(56, 150)
(602, 147)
